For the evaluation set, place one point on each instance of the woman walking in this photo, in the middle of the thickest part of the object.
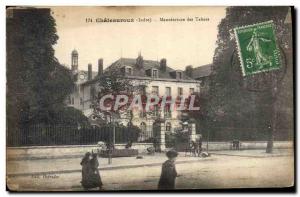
(85, 172)
(95, 175)
(168, 172)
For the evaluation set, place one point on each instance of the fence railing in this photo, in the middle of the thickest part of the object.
(246, 134)
(45, 135)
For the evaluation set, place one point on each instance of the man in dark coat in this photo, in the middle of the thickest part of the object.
(199, 143)
(168, 172)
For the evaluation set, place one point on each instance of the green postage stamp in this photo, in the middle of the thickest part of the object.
(257, 48)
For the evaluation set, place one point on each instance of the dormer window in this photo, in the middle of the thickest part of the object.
(154, 73)
(178, 75)
(128, 70)
(151, 72)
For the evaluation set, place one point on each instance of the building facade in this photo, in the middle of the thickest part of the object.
(156, 77)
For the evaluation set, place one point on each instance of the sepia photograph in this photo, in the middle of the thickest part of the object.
(149, 98)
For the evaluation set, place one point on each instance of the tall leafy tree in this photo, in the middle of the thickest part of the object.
(234, 100)
(37, 84)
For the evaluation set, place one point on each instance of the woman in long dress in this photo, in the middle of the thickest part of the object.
(95, 175)
(85, 172)
(168, 172)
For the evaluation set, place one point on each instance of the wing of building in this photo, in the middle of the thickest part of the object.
(203, 75)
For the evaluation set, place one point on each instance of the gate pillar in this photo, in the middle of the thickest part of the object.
(162, 135)
(193, 135)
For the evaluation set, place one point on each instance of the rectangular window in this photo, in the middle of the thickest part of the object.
(142, 90)
(202, 83)
(167, 112)
(168, 91)
(81, 101)
(129, 71)
(75, 88)
(92, 92)
(155, 111)
(69, 100)
(155, 73)
(155, 90)
(192, 90)
(180, 91)
(168, 127)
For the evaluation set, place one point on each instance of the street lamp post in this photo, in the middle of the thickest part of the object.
(114, 134)
(109, 152)
(207, 141)
(112, 145)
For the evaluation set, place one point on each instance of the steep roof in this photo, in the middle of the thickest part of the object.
(202, 71)
(147, 64)
(140, 73)
(94, 74)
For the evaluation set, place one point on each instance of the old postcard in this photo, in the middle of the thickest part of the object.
(149, 98)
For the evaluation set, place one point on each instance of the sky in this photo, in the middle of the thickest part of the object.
(181, 43)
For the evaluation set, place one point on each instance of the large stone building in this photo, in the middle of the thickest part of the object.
(155, 76)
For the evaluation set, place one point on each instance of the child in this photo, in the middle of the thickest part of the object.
(168, 172)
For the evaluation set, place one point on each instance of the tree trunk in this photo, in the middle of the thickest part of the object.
(272, 127)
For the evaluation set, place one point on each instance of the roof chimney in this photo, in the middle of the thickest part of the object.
(100, 66)
(140, 61)
(89, 71)
(163, 64)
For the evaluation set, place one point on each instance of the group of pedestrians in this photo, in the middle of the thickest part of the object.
(91, 176)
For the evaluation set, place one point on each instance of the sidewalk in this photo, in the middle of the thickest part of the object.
(259, 153)
(71, 165)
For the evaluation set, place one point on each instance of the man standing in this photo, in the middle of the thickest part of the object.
(199, 143)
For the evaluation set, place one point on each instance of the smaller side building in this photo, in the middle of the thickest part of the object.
(203, 75)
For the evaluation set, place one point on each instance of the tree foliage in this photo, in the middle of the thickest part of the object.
(37, 84)
(231, 103)
(112, 82)
(189, 70)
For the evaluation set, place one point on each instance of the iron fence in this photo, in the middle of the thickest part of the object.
(47, 135)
